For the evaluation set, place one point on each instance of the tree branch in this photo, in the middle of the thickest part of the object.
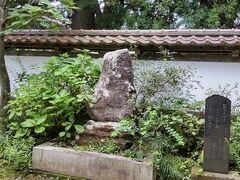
(56, 21)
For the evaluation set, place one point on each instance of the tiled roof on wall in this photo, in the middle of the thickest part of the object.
(203, 37)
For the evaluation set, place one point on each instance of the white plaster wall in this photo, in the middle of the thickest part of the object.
(18, 64)
(212, 73)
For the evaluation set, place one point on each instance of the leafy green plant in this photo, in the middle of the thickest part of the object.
(176, 124)
(166, 169)
(183, 165)
(17, 152)
(5, 170)
(234, 144)
(165, 124)
(164, 133)
(55, 100)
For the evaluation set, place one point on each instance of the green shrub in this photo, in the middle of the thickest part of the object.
(6, 171)
(183, 165)
(54, 101)
(17, 152)
(165, 168)
(163, 85)
(180, 127)
(234, 144)
(165, 133)
(163, 126)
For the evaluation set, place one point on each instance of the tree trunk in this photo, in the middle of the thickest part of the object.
(205, 2)
(4, 79)
(83, 19)
(85, 16)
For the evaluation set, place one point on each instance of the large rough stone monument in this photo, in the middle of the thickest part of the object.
(113, 98)
(217, 134)
(114, 91)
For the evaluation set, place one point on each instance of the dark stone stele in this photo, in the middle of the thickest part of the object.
(217, 134)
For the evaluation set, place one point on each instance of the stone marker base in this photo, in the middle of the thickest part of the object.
(89, 165)
(199, 174)
(99, 132)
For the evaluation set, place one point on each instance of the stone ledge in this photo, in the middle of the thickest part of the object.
(89, 165)
(199, 174)
(100, 131)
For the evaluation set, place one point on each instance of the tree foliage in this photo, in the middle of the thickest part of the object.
(209, 13)
(158, 14)
(131, 14)
(37, 15)
(154, 14)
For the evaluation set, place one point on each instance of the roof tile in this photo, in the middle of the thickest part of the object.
(212, 37)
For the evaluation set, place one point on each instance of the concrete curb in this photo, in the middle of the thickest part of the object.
(89, 165)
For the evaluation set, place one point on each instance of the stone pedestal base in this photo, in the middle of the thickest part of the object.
(199, 174)
(100, 131)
